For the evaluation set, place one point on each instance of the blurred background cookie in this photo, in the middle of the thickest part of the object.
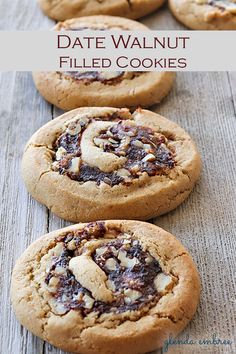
(104, 163)
(205, 14)
(65, 9)
(69, 90)
(106, 287)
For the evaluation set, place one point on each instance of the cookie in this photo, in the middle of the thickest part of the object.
(61, 10)
(69, 90)
(108, 163)
(205, 14)
(106, 287)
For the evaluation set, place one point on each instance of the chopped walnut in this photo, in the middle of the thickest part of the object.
(75, 165)
(163, 283)
(61, 152)
(131, 295)
(149, 157)
(126, 261)
(111, 264)
(88, 302)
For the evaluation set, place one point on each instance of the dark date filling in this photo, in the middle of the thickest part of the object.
(93, 174)
(85, 28)
(144, 150)
(88, 77)
(135, 279)
(92, 76)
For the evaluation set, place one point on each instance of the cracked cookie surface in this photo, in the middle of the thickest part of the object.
(106, 286)
(69, 90)
(205, 14)
(66, 9)
(105, 163)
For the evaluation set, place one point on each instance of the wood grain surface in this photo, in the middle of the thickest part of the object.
(205, 105)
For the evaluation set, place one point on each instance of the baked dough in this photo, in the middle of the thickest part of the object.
(65, 9)
(69, 90)
(105, 163)
(106, 287)
(205, 14)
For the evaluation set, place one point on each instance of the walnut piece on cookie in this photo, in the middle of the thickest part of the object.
(65, 9)
(205, 14)
(72, 89)
(105, 163)
(129, 304)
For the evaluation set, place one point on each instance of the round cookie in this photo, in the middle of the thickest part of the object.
(65, 9)
(108, 163)
(106, 287)
(69, 90)
(205, 14)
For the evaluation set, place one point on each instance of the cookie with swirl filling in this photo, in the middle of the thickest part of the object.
(65, 9)
(106, 287)
(205, 14)
(104, 163)
(69, 90)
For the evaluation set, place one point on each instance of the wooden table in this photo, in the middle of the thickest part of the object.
(205, 105)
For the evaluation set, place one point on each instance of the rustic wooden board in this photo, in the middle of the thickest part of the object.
(205, 105)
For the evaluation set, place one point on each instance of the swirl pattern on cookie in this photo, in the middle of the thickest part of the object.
(128, 276)
(68, 89)
(91, 76)
(132, 149)
(107, 284)
(104, 77)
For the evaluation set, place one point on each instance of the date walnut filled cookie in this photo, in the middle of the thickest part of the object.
(205, 14)
(106, 287)
(106, 163)
(66, 9)
(73, 89)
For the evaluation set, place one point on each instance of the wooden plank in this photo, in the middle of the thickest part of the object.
(202, 103)
(232, 83)
(162, 20)
(22, 220)
(22, 15)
